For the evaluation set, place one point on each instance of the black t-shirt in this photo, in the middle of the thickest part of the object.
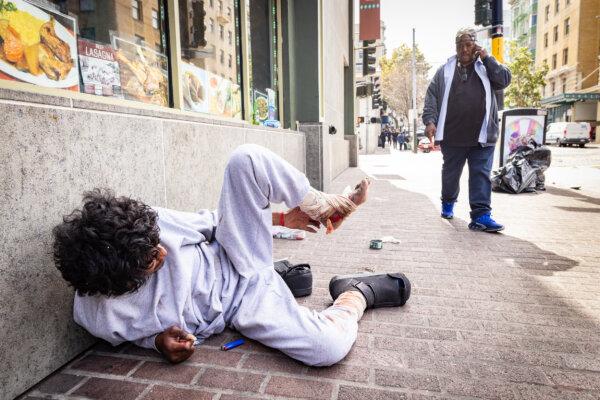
(466, 108)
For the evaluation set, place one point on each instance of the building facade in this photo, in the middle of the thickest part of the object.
(524, 23)
(568, 41)
(149, 99)
(368, 123)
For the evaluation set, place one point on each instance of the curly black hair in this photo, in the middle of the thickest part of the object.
(106, 246)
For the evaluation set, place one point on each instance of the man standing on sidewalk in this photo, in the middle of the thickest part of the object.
(462, 113)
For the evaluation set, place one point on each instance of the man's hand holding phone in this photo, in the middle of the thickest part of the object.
(480, 52)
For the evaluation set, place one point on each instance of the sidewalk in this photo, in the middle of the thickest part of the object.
(500, 316)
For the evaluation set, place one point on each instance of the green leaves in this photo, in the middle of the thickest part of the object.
(527, 81)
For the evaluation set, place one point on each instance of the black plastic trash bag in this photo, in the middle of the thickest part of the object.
(524, 170)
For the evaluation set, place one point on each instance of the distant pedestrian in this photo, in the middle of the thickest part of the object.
(462, 113)
(382, 139)
(395, 139)
(402, 141)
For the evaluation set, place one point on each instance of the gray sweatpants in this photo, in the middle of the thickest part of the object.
(267, 312)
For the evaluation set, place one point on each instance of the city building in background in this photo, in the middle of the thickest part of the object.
(568, 41)
(523, 23)
(368, 104)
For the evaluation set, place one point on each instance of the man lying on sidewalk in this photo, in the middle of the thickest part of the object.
(160, 278)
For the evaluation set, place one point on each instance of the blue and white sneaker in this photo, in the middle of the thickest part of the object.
(485, 223)
(447, 210)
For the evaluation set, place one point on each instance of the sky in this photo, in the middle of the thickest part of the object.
(435, 21)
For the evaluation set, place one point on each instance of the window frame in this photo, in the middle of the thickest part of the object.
(554, 61)
(567, 28)
(565, 56)
(555, 33)
(136, 6)
(155, 19)
(173, 53)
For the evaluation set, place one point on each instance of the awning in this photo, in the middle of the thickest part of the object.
(571, 98)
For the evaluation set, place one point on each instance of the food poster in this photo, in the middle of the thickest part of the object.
(261, 107)
(194, 83)
(100, 71)
(519, 130)
(143, 71)
(225, 97)
(38, 46)
(272, 104)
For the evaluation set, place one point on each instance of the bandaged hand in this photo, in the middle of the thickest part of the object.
(298, 219)
(175, 344)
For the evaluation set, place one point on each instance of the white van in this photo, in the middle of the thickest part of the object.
(568, 133)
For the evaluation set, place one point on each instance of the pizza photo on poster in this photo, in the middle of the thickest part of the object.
(39, 46)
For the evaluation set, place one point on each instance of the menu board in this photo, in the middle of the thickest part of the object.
(143, 72)
(38, 46)
(100, 72)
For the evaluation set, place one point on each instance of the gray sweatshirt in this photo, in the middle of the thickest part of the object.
(194, 289)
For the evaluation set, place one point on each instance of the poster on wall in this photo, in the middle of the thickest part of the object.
(143, 72)
(38, 46)
(100, 71)
(225, 97)
(519, 127)
(195, 88)
(261, 107)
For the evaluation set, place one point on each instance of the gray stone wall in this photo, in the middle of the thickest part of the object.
(54, 150)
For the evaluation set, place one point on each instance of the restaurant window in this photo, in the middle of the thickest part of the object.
(565, 56)
(567, 26)
(263, 67)
(136, 9)
(103, 48)
(208, 84)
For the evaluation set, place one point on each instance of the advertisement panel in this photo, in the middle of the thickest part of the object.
(39, 46)
(519, 127)
(370, 20)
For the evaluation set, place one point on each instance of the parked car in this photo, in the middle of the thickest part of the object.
(568, 133)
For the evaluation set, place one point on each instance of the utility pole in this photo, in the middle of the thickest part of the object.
(414, 92)
(498, 42)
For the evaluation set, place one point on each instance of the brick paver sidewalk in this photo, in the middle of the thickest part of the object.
(507, 316)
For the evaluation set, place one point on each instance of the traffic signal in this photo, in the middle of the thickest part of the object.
(483, 12)
(369, 58)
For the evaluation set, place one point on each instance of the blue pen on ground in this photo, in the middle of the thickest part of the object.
(233, 345)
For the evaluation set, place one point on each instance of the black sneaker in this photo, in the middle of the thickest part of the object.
(380, 290)
(297, 277)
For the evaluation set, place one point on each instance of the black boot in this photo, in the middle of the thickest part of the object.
(380, 290)
(297, 277)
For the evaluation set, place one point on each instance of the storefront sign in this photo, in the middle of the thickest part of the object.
(100, 70)
(370, 21)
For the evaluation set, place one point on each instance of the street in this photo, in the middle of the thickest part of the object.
(514, 315)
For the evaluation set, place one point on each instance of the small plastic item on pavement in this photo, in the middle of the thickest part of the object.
(281, 232)
(233, 345)
(390, 239)
(376, 244)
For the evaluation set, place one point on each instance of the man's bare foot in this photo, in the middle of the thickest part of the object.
(358, 196)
